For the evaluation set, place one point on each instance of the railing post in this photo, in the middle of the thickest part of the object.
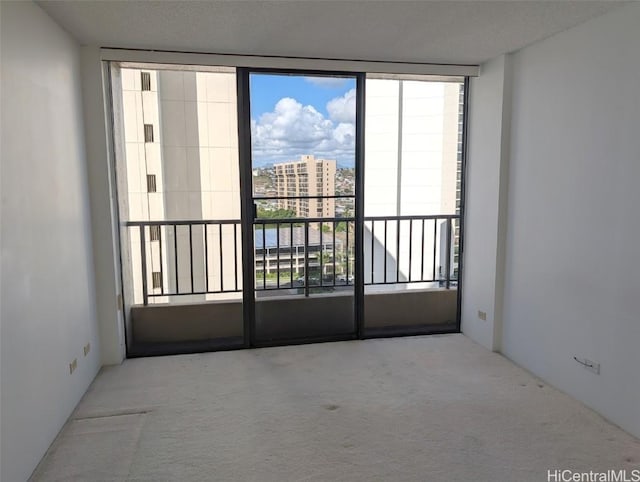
(385, 251)
(291, 254)
(206, 257)
(306, 259)
(191, 255)
(321, 253)
(422, 253)
(143, 257)
(348, 226)
(410, 246)
(175, 256)
(373, 252)
(235, 254)
(333, 252)
(161, 259)
(448, 262)
(435, 249)
(264, 256)
(221, 257)
(398, 224)
(277, 255)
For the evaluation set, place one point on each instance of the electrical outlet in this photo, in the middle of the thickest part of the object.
(482, 315)
(73, 365)
(87, 349)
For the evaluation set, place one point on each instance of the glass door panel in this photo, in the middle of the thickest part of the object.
(303, 194)
(412, 199)
(178, 182)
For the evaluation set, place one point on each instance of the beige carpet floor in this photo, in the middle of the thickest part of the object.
(437, 408)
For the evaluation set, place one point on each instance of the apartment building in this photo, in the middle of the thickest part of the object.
(285, 250)
(413, 167)
(307, 177)
(180, 162)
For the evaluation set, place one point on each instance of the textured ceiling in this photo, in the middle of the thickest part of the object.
(464, 32)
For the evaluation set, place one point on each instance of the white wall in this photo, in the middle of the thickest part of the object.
(103, 204)
(48, 309)
(486, 176)
(572, 272)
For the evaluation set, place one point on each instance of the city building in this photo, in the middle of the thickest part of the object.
(307, 177)
(180, 162)
(413, 167)
(283, 252)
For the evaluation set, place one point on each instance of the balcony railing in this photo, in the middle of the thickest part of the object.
(396, 238)
(203, 257)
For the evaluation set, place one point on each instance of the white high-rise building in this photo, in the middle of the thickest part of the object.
(411, 147)
(412, 167)
(181, 163)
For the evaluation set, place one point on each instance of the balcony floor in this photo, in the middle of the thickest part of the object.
(417, 408)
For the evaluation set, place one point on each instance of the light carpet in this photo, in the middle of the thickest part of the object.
(438, 408)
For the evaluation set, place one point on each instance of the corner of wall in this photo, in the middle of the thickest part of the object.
(104, 225)
(486, 202)
(503, 200)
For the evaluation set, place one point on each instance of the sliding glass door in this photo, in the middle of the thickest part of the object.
(301, 205)
(413, 198)
(177, 171)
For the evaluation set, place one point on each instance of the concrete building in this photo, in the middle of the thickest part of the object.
(413, 136)
(287, 254)
(307, 177)
(180, 163)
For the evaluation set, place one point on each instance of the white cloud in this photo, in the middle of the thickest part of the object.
(343, 109)
(327, 82)
(293, 129)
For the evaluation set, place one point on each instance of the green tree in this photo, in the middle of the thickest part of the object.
(276, 214)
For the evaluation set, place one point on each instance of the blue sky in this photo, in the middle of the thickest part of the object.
(267, 89)
(294, 115)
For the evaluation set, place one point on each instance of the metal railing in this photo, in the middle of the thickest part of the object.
(320, 243)
(438, 251)
(305, 255)
(160, 247)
